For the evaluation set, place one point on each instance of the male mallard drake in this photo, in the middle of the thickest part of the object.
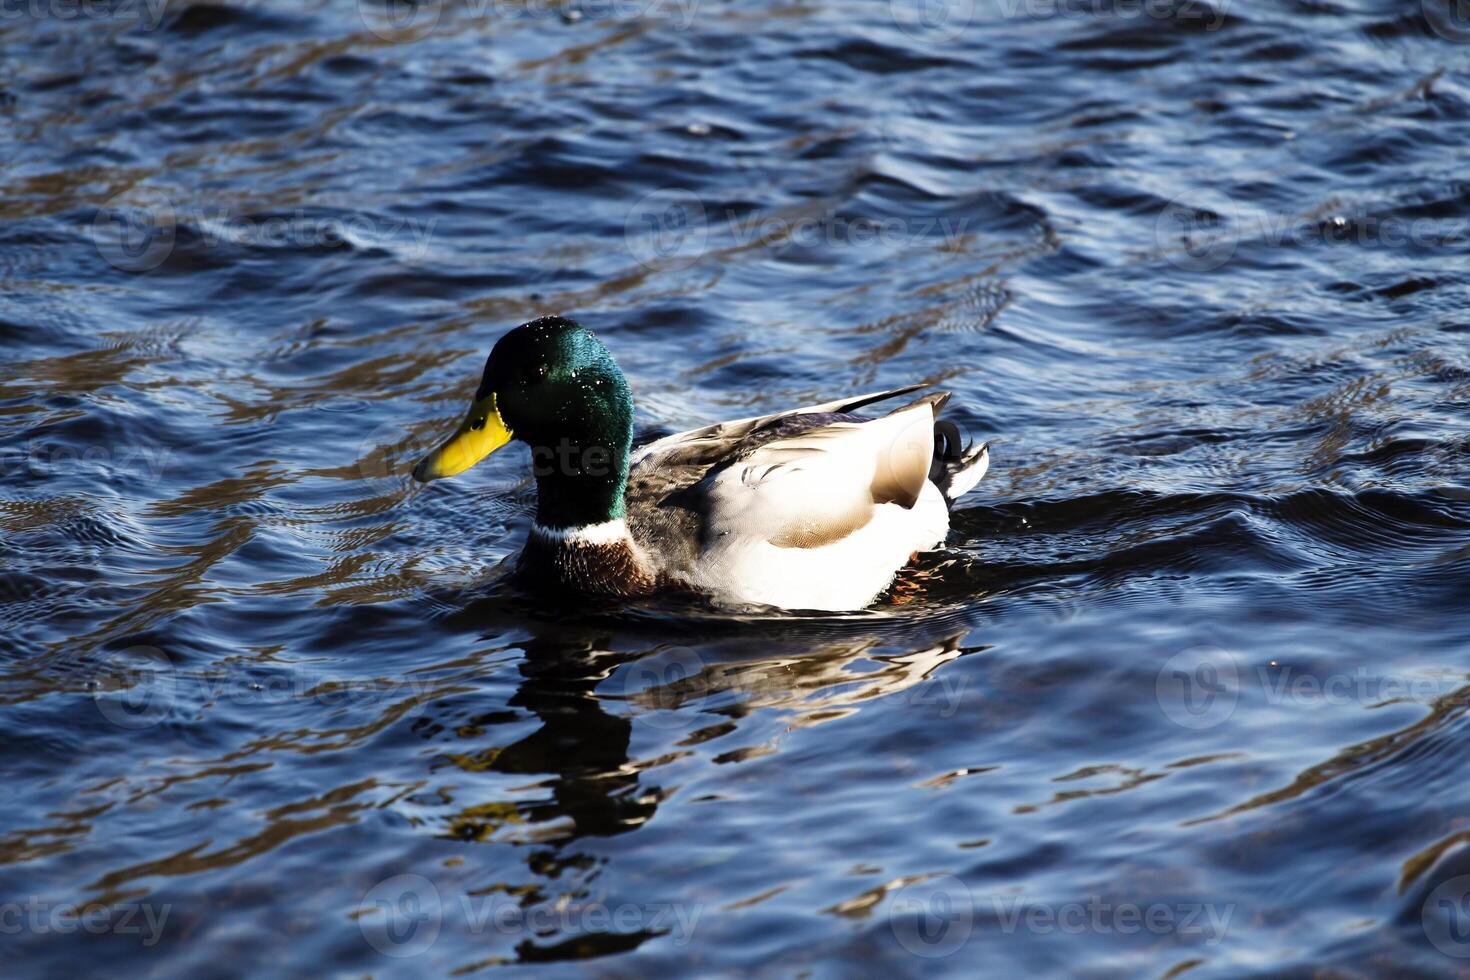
(811, 508)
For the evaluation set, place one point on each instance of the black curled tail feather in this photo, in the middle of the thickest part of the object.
(956, 467)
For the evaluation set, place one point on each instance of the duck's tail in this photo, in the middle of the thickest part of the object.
(956, 470)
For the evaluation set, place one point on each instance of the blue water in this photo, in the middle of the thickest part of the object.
(1185, 695)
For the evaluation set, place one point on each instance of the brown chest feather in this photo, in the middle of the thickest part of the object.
(610, 569)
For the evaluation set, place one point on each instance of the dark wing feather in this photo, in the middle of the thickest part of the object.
(712, 443)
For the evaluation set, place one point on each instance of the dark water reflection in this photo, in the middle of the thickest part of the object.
(1186, 695)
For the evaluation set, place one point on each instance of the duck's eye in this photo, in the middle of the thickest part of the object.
(538, 373)
(478, 424)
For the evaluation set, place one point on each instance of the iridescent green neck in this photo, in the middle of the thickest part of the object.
(582, 479)
(578, 420)
(558, 390)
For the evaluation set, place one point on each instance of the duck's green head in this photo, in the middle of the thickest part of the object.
(552, 385)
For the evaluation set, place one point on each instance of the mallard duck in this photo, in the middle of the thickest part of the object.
(811, 508)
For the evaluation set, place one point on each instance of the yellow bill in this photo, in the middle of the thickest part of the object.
(480, 434)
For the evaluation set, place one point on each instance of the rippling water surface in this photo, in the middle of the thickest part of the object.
(1186, 694)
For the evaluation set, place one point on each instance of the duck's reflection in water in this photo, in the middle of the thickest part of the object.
(593, 790)
(810, 684)
(588, 697)
(592, 691)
